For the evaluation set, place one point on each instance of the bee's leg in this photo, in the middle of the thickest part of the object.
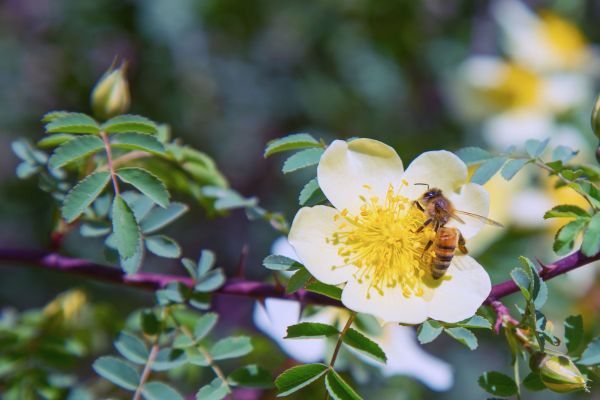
(418, 205)
(427, 246)
(462, 244)
(430, 220)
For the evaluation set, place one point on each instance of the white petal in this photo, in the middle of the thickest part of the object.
(345, 167)
(308, 234)
(439, 169)
(514, 128)
(474, 199)
(460, 297)
(273, 321)
(282, 247)
(391, 307)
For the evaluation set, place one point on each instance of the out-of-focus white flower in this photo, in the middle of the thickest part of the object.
(405, 356)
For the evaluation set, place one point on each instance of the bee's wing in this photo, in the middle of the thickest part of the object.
(456, 217)
(479, 218)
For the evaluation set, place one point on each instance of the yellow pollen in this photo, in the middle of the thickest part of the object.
(383, 243)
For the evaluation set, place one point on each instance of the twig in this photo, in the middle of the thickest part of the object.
(109, 161)
(338, 345)
(146, 372)
(502, 315)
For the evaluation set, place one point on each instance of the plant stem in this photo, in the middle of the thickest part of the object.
(146, 372)
(569, 182)
(109, 162)
(338, 345)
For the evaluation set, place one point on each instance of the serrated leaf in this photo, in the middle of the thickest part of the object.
(475, 322)
(125, 228)
(73, 123)
(566, 235)
(364, 345)
(566, 211)
(537, 287)
(573, 333)
(195, 357)
(331, 291)
(159, 391)
(487, 170)
(464, 336)
(298, 377)
(311, 194)
(25, 151)
(158, 218)
(204, 325)
(210, 281)
(535, 148)
(132, 348)
(163, 246)
(75, 149)
(521, 278)
(146, 183)
(205, 262)
(132, 264)
(338, 389)
(428, 331)
(512, 167)
(302, 159)
(167, 359)
(298, 280)
(591, 354)
(54, 140)
(277, 262)
(52, 115)
(83, 194)
(130, 124)
(216, 390)
(473, 155)
(251, 376)
(138, 141)
(117, 371)
(591, 237)
(307, 330)
(231, 347)
(290, 142)
(497, 384)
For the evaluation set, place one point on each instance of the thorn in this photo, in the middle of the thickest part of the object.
(241, 268)
(545, 268)
(278, 285)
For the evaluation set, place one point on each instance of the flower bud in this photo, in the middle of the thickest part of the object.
(596, 118)
(110, 96)
(559, 374)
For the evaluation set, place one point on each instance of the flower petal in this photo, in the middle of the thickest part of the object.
(439, 169)
(473, 199)
(308, 234)
(391, 307)
(460, 297)
(345, 168)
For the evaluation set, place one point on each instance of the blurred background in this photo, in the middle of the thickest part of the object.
(230, 75)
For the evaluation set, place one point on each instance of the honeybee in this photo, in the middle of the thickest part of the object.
(440, 211)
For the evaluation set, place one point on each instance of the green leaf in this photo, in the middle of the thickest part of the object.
(130, 123)
(311, 194)
(204, 325)
(298, 280)
(512, 167)
(535, 148)
(591, 238)
(566, 235)
(190, 266)
(302, 159)
(473, 155)
(205, 262)
(533, 382)
(138, 141)
(428, 331)
(298, 377)
(125, 228)
(132, 264)
(83, 194)
(331, 291)
(573, 333)
(159, 391)
(52, 115)
(563, 154)
(150, 323)
(146, 183)
(210, 281)
(307, 330)
(26, 170)
(94, 229)
(73, 123)
(54, 140)
(338, 389)
(487, 169)
(25, 151)
(75, 149)
(521, 278)
(591, 354)
(464, 336)
(537, 287)
(132, 348)
(216, 390)
(158, 218)
(117, 371)
(497, 384)
(167, 359)
(280, 263)
(566, 211)
(251, 376)
(163, 246)
(290, 142)
(364, 345)
(475, 322)
(231, 347)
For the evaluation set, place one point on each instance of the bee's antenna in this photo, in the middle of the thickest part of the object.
(423, 184)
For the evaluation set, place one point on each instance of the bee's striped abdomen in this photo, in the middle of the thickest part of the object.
(445, 245)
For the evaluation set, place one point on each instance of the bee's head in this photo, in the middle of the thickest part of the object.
(431, 193)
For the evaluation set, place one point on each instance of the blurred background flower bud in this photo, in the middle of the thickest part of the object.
(110, 96)
(559, 374)
(596, 118)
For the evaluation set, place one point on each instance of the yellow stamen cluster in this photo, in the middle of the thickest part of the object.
(383, 242)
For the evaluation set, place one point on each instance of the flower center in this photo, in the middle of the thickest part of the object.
(383, 242)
